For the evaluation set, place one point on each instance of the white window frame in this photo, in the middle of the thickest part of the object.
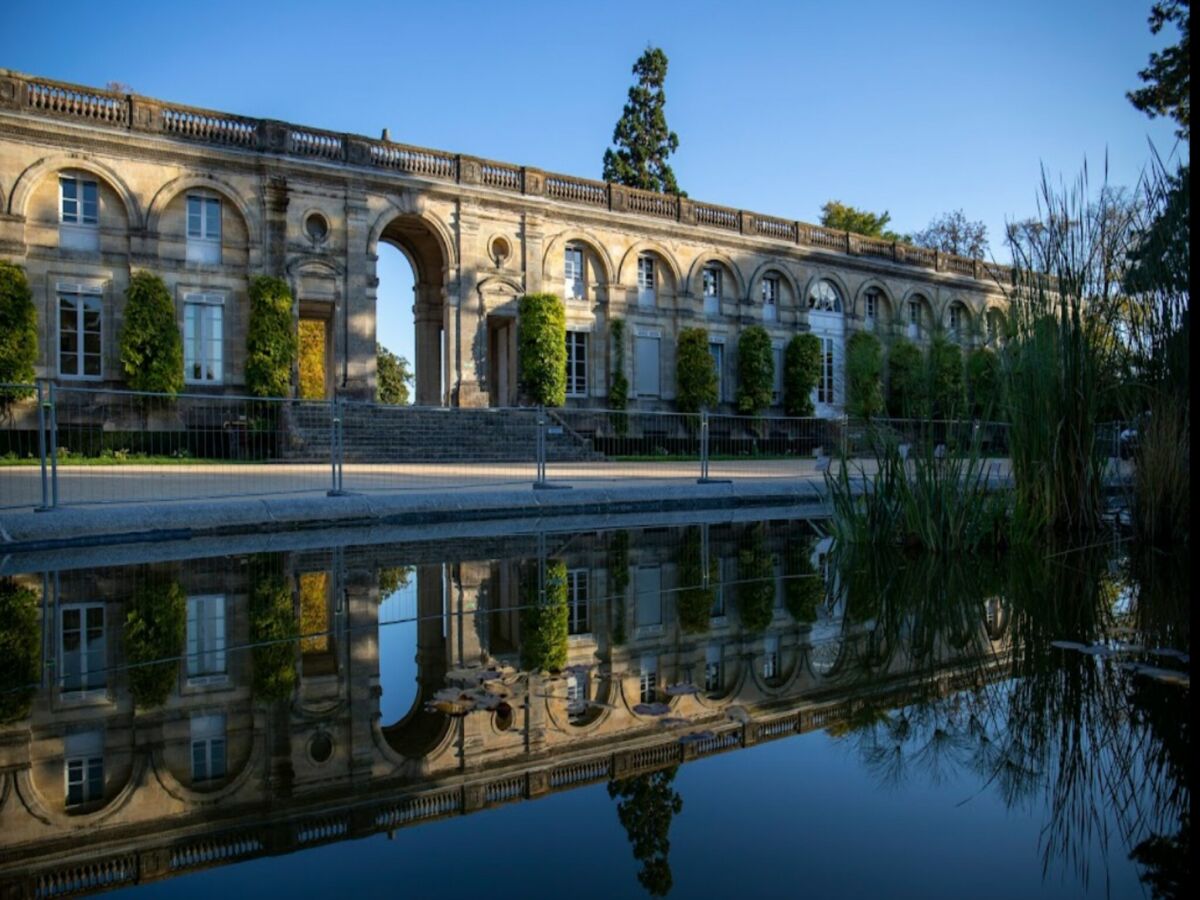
(648, 679)
(207, 664)
(914, 318)
(825, 297)
(954, 317)
(714, 667)
(770, 661)
(577, 359)
(83, 766)
(710, 279)
(79, 228)
(87, 675)
(770, 298)
(208, 305)
(870, 308)
(578, 612)
(84, 296)
(646, 280)
(826, 389)
(574, 263)
(204, 240)
(209, 738)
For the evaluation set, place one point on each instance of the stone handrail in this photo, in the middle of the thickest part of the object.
(44, 97)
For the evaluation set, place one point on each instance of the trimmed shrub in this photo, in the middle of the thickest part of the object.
(695, 372)
(694, 599)
(273, 633)
(542, 349)
(906, 380)
(755, 582)
(544, 619)
(18, 332)
(984, 384)
(155, 628)
(618, 583)
(864, 375)
(151, 346)
(20, 648)
(618, 389)
(272, 345)
(803, 586)
(801, 370)
(947, 395)
(755, 370)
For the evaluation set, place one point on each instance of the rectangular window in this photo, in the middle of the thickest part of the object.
(713, 674)
(955, 317)
(646, 366)
(203, 338)
(716, 349)
(208, 747)
(649, 679)
(82, 660)
(645, 281)
(770, 298)
(870, 309)
(647, 585)
(79, 333)
(825, 382)
(577, 602)
(79, 202)
(770, 665)
(577, 687)
(83, 767)
(712, 290)
(576, 363)
(573, 273)
(206, 637)
(203, 229)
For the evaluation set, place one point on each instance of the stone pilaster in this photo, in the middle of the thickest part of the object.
(354, 332)
(276, 225)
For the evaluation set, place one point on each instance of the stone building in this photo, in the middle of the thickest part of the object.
(94, 185)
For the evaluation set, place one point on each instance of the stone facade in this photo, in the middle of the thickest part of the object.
(313, 206)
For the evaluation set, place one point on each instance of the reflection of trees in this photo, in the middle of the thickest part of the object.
(20, 648)
(544, 618)
(273, 630)
(756, 581)
(155, 629)
(803, 587)
(618, 581)
(696, 594)
(1073, 732)
(647, 806)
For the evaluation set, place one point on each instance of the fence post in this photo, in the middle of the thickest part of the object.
(540, 482)
(53, 448)
(335, 447)
(41, 408)
(704, 477)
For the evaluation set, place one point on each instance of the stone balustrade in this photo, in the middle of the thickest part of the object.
(41, 96)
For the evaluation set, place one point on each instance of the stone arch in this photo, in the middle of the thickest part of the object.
(627, 271)
(968, 316)
(995, 324)
(413, 213)
(922, 296)
(694, 274)
(176, 186)
(778, 266)
(833, 278)
(53, 813)
(29, 179)
(605, 694)
(858, 306)
(556, 245)
(3, 201)
(168, 781)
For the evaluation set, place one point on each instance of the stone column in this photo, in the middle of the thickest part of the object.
(354, 323)
(427, 365)
(276, 225)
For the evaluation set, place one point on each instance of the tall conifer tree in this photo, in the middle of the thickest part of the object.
(642, 140)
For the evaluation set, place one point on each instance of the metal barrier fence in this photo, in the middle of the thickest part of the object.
(66, 445)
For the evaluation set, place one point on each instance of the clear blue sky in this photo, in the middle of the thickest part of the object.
(914, 108)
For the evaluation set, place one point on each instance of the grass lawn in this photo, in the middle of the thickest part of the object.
(131, 459)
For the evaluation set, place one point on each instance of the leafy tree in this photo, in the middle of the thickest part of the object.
(695, 372)
(544, 619)
(273, 632)
(695, 599)
(953, 233)
(801, 370)
(618, 388)
(755, 582)
(542, 348)
(618, 582)
(647, 806)
(20, 648)
(906, 380)
(984, 384)
(18, 332)
(1168, 77)
(755, 370)
(641, 138)
(864, 375)
(151, 346)
(946, 390)
(392, 377)
(393, 579)
(272, 345)
(155, 627)
(843, 217)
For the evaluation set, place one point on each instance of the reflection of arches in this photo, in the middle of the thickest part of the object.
(28, 181)
(53, 813)
(602, 690)
(170, 783)
(695, 274)
(627, 271)
(553, 256)
(172, 189)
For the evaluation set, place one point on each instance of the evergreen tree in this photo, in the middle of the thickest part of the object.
(643, 141)
(1168, 77)
(392, 377)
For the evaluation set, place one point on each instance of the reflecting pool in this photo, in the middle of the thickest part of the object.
(732, 708)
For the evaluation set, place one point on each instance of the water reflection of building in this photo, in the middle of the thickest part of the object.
(233, 765)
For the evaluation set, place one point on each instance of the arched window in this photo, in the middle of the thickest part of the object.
(825, 297)
(956, 319)
(917, 305)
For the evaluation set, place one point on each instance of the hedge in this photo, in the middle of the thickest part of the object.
(18, 332)
(906, 380)
(755, 370)
(947, 393)
(864, 375)
(801, 370)
(695, 372)
(272, 346)
(20, 648)
(542, 349)
(151, 346)
(155, 629)
(544, 619)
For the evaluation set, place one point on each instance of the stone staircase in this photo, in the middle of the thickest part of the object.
(379, 433)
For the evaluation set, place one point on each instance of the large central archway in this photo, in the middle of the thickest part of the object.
(428, 251)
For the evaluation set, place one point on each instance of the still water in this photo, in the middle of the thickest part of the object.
(729, 708)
